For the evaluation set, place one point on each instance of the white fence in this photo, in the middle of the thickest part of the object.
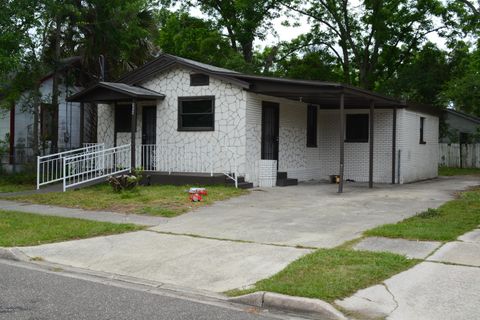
(50, 167)
(460, 156)
(190, 158)
(91, 166)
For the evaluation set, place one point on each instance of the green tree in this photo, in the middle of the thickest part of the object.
(463, 90)
(194, 38)
(244, 21)
(373, 39)
(422, 78)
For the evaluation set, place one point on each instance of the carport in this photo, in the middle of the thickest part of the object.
(335, 96)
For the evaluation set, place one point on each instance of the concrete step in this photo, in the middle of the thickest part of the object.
(281, 175)
(286, 182)
(245, 185)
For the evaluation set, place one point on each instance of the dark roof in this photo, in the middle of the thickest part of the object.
(463, 115)
(112, 91)
(325, 94)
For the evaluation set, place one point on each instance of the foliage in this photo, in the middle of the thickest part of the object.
(422, 78)
(331, 274)
(26, 229)
(159, 200)
(372, 39)
(123, 182)
(449, 171)
(454, 218)
(197, 39)
(463, 90)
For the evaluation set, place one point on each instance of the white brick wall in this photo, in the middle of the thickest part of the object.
(417, 161)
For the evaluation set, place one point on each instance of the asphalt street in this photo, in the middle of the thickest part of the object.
(32, 293)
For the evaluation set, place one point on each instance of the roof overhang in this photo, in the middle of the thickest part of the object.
(114, 92)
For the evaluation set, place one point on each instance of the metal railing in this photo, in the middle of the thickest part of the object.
(148, 154)
(191, 158)
(91, 166)
(50, 167)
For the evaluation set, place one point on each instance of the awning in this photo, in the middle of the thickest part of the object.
(113, 91)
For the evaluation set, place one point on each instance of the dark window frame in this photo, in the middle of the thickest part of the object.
(123, 123)
(366, 130)
(312, 126)
(199, 79)
(422, 131)
(180, 126)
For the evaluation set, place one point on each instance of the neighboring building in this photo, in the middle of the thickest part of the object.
(18, 122)
(189, 117)
(460, 127)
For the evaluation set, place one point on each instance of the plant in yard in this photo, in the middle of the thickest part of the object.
(123, 182)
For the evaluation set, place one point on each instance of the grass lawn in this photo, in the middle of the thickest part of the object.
(158, 200)
(330, 274)
(16, 182)
(26, 229)
(449, 171)
(446, 223)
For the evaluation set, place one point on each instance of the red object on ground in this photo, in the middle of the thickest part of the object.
(195, 197)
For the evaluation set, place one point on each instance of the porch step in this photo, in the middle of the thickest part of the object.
(286, 182)
(245, 185)
(283, 180)
(281, 175)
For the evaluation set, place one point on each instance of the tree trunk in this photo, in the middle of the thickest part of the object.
(55, 88)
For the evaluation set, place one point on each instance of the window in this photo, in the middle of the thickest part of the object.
(123, 118)
(199, 79)
(356, 128)
(422, 127)
(196, 113)
(312, 127)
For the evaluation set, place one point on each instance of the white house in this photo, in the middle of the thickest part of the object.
(18, 122)
(189, 117)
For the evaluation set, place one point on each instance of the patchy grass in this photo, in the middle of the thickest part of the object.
(449, 171)
(330, 274)
(16, 182)
(158, 200)
(26, 229)
(446, 223)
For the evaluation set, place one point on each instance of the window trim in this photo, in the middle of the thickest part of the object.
(180, 126)
(422, 130)
(199, 83)
(312, 133)
(368, 129)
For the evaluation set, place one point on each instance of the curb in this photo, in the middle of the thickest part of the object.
(316, 307)
(12, 254)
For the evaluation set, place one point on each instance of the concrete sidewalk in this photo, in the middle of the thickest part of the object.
(445, 286)
(198, 263)
(104, 216)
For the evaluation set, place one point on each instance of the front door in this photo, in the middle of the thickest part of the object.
(270, 119)
(149, 124)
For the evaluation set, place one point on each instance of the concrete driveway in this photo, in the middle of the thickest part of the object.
(237, 242)
(313, 214)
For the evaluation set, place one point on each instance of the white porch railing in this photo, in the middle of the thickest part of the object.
(190, 158)
(91, 166)
(50, 167)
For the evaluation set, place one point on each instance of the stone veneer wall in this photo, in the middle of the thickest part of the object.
(226, 144)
